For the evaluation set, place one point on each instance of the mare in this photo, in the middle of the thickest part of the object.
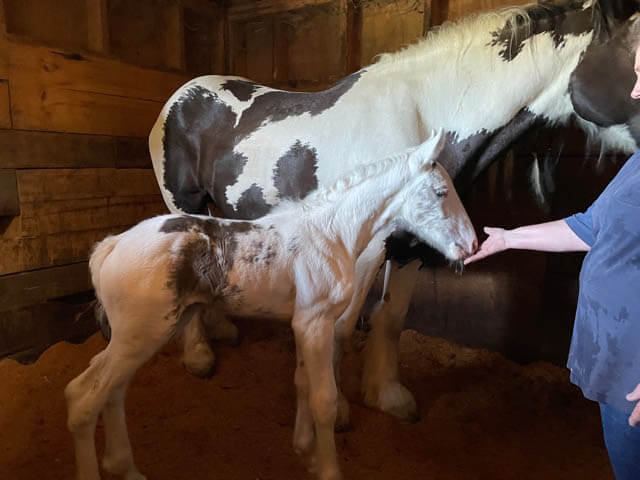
(296, 263)
(226, 145)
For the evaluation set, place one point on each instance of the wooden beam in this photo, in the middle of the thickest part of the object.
(97, 28)
(426, 22)
(26, 149)
(353, 40)
(132, 153)
(9, 202)
(4, 49)
(5, 105)
(439, 12)
(246, 9)
(59, 91)
(173, 16)
(29, 288)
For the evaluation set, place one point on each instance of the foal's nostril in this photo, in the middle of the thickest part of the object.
(474, 246)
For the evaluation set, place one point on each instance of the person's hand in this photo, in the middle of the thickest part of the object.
(495, 243)
(634, 418)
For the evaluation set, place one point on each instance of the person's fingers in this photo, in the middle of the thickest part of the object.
(634, 418)
(635, 395)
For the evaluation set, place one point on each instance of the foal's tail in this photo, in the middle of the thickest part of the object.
(100, 252)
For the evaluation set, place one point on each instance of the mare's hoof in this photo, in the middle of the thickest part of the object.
(199, 361)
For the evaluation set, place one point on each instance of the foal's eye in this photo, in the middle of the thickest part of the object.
(442, 193)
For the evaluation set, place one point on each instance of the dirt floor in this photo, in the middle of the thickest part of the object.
(483, 417)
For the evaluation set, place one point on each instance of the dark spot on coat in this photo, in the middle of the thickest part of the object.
(295, 172)
(241, 89)
(557, 19)
(202, 265)
(253, 203)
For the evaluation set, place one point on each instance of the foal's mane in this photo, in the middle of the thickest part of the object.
(332, 192)
(459, 34)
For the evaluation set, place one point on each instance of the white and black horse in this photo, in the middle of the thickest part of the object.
(227, 145)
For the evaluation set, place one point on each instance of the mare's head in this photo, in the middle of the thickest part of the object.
(432, 210)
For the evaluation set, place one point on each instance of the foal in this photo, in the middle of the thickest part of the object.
(297, 262)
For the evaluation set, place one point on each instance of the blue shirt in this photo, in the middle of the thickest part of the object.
(605, 348)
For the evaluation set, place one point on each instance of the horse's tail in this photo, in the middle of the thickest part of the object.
(100, 252)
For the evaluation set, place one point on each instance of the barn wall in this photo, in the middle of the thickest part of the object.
(81, 83)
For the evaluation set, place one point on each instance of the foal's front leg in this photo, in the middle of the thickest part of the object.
(315, 342)
(381, 387)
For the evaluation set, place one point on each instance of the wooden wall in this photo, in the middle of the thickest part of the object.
(81, 83)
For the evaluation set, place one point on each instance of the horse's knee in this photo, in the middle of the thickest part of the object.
(324, 406)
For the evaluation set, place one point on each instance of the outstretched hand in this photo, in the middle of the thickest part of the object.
(495, 243)
(634, 418)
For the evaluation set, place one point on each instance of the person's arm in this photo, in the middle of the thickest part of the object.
(555, 236)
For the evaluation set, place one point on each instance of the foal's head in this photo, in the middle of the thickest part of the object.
(432, 210)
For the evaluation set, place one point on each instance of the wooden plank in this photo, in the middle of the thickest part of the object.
(389, 25)
(199, 35)
(353, 36)
(27, 149)
(9, 203)
(316, 29)
(4, 49)
(132, 153)
(5, 105)
(174, 42)
(29, 288)
(439, 11)
(97, 28)
(245, 9)
(259, 50)
(64, 212)
(28, 332)
(58, 91)
(62, 23)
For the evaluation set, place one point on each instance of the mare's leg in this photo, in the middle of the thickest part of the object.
(315, 342)
(367, 266)
(198, 357)
(103, 385)
(380, 385)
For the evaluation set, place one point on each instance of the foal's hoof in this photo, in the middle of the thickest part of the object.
(199, 361)
(395, 399)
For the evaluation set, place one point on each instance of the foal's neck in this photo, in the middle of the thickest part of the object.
(363, 211)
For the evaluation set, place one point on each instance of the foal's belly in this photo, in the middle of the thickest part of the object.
(265, 296)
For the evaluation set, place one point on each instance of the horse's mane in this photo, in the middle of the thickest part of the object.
(458, 34)
(331, 193)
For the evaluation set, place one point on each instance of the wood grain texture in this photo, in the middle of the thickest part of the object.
(65, 211)
(242, 9)
(5, 105)
(28, 288)
(58, 91)
(9, 203)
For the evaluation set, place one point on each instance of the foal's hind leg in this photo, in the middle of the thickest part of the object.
(380, 385)
(102, 386)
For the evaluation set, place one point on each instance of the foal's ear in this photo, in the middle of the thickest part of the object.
(428, 152)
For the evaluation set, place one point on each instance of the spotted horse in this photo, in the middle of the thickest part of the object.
(227, 145)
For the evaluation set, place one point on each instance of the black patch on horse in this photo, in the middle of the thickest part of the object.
(241, 89)
(607, 103)
(295, 172)
(201, 268)
(200, 137)
(544, 18)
